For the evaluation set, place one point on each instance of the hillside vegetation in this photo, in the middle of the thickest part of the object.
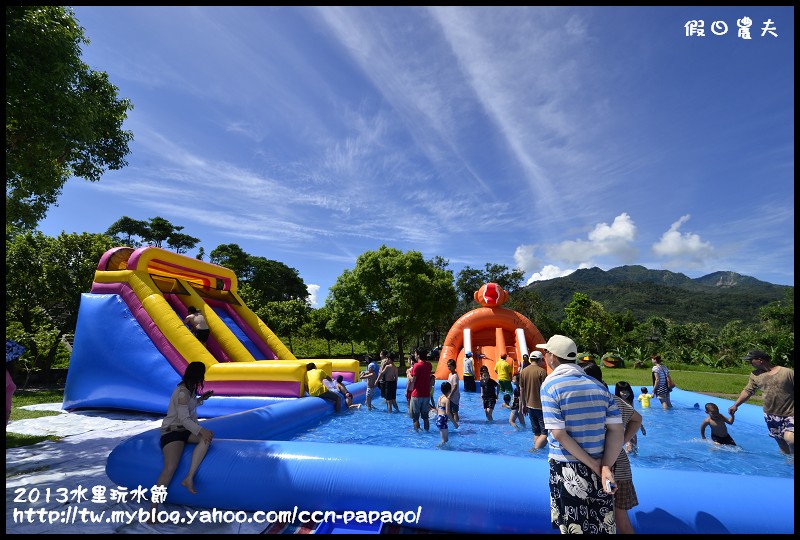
(715, 299)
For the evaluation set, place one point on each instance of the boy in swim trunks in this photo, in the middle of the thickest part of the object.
(719, 431)
(342, 389)
(489, 393)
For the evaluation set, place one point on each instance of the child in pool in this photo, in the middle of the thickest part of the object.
(444, 412)
(514, 415)
(489, 393)
(348, 397)
(645, 398)
(719, 431)
(623, 390)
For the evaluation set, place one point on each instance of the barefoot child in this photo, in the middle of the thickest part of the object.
(348, 397)
(515, 415)
(444, 412)
(371, 374)
(181, 426)
(488, 393)
(719, 431)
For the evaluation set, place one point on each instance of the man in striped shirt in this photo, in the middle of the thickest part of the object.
(584, 435)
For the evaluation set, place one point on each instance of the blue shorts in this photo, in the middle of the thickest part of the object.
(537, 421)
(778, 425)
(441, 421)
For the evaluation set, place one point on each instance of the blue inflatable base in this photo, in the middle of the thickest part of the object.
(249, 467)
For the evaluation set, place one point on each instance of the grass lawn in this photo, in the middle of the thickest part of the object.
(720, 384)
(32, 397)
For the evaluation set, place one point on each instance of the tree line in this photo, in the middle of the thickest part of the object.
(390, 300)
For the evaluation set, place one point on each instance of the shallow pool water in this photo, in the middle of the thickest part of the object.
(672, 441)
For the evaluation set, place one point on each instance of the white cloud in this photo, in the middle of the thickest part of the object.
(684, 247)
(525, 258)
(312, 295)
(550, 272)
(613, 241)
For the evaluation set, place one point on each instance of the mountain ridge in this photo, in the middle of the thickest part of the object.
(716, 298)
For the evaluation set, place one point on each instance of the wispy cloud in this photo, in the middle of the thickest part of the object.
(509, 135)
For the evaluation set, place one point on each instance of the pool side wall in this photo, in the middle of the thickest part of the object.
(248, 468)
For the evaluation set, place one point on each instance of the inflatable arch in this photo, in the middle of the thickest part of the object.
(130, 334)
(490, 330)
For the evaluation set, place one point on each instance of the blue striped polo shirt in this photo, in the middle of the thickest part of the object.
(574, 401)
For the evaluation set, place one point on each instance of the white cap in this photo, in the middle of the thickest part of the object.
(537, 355)
(561, 346)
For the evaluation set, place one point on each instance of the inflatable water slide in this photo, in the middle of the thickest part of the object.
(131, 344)
(488, 332)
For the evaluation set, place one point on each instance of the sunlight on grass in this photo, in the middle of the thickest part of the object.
(16, 440)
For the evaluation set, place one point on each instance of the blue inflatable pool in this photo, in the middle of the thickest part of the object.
(248, 469)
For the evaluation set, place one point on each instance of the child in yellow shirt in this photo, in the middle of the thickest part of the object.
(645, 398)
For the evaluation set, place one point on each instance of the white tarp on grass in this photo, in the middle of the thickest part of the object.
(78, 460)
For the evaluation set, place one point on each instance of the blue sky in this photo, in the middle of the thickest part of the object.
(541, 138)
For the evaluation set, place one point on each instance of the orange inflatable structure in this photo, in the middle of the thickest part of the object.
(490, 330)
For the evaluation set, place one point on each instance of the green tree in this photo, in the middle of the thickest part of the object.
(588, 323)
(779, 314)
(691, 343)
(285, 317)
(510, 280)
(62, 118)
(390, 295)
(732, 342)
(180, 242)
(156, 232)
(776, 329)
(261, 280)
(644, 340)
(317, 326)
(469, 280)
(45, 278)
(234, 258)
(273, 281)
(125, 229)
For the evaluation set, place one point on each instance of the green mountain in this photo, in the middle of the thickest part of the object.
(716, 298)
